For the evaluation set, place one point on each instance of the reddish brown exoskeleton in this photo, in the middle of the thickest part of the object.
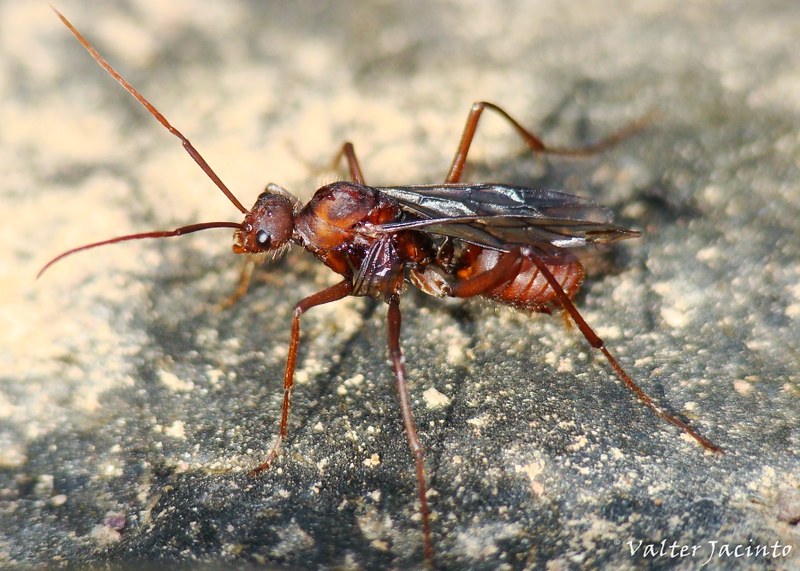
(510, 244)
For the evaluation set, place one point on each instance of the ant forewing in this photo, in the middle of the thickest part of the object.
(511, 244)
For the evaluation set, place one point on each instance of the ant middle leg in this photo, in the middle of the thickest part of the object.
(396, 357)
(348, 153)
(531, 140)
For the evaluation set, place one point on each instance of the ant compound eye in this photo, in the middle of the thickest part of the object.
(263, 238)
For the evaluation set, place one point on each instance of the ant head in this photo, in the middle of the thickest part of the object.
(269, 224)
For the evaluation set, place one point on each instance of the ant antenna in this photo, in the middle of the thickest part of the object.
(153, 111)
(156, 234)
(187, 145)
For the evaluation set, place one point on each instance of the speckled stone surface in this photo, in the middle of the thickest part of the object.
(130, 408)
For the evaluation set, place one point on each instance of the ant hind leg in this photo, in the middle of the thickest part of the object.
(530, 139)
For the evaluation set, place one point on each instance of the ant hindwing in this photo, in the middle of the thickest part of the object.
(511, 244)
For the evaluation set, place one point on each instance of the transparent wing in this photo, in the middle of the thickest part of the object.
(502, 217)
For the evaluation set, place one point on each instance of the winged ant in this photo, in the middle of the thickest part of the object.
(510, 244)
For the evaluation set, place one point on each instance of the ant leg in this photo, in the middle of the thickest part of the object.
(396, 356)
(505, 270)
(596, 342)
(534, 142)
(348, 152)
(333, 293)
(241, 289)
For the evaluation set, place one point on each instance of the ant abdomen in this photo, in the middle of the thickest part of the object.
(527, 288)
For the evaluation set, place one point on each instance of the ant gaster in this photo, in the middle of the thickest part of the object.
(510, 244)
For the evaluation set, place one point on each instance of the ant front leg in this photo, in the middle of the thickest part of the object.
(245, 277)
(530, 139)
(333, 293)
